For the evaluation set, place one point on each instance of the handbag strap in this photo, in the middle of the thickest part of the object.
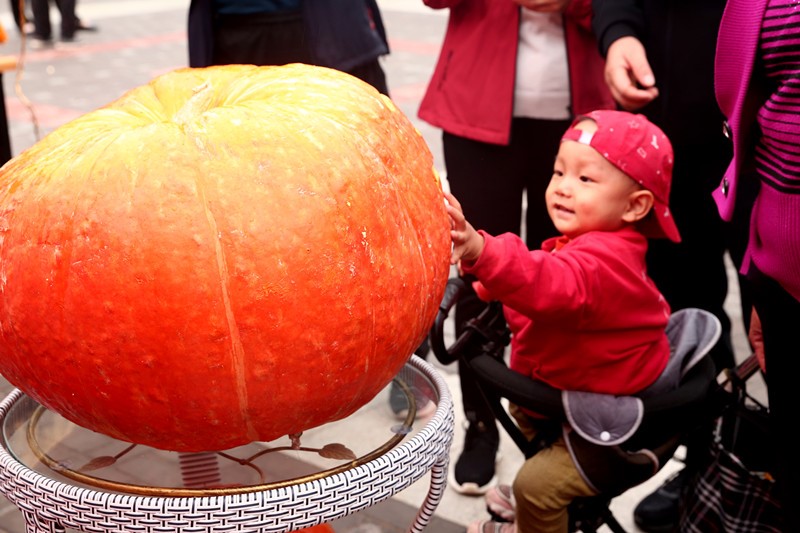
(732, 386)
(734, 380)
(747, 368)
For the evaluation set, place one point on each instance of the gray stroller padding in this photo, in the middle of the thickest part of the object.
(609, 421)
(603, 419)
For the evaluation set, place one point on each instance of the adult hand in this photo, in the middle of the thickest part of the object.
(628, 74)
(544, 6)
(756, 337)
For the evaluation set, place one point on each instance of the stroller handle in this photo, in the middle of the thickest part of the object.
(452, 291)
(486, 333)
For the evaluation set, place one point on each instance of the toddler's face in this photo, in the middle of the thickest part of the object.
(586, 192)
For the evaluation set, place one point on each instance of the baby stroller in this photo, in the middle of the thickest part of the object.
(618, 442)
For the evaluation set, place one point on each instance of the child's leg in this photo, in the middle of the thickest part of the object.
(544, 487)
(546, 484)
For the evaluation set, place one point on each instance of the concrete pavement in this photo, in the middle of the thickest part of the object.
(139, 39)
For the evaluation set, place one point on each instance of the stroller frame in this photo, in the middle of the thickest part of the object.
(668, 416)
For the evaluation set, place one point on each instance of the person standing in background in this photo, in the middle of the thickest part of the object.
(25, 23)
(510, 77)
(660, 62)
(42, 29)
(347, 35)
(757, 73)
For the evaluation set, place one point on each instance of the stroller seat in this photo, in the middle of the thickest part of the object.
(617, 442)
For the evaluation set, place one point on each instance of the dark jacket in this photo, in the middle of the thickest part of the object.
(344, 33)
(680, 39)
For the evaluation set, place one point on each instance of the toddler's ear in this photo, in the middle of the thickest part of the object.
(639, 204)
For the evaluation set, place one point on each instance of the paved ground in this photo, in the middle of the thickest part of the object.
(139, 39)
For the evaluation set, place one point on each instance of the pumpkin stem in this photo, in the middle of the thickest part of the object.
(295, 438)
(201, 100)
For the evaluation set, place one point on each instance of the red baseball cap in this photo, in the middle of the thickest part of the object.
(640, 149)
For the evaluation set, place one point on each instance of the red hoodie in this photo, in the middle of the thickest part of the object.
(585, 317)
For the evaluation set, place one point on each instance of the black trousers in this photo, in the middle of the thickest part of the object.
(260, 39)
(780, 314)
(41, 18)
(276, 39)
(17, 13)
(692, 273)
(490, 182)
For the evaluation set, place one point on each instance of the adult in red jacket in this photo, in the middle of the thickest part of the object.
(510, 77)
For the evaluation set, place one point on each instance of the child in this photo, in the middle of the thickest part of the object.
(583, 313)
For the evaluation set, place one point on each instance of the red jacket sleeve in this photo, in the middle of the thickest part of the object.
(570, 284)
(531, 282)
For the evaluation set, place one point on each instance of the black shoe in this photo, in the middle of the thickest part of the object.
(474, 472)
(84, 26)
(659, 512)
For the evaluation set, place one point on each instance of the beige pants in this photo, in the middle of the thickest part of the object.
(546, 485)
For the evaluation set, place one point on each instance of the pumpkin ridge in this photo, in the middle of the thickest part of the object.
(237, 349)
(62, 277)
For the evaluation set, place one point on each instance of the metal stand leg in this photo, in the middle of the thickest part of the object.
(200, 470)
(434, 496)
(33, 524)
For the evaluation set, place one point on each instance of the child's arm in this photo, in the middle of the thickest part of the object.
(467, 243)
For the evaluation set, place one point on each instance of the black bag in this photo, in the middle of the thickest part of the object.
(733, 489)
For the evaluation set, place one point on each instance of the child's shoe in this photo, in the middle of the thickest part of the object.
(474, 472)
(501, 504)
(490, 526)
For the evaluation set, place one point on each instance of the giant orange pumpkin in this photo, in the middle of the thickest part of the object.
(220, 256)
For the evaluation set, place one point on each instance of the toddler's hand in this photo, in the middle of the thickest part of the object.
(467, 243)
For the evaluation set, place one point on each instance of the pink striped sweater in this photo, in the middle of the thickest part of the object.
(757, 77)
